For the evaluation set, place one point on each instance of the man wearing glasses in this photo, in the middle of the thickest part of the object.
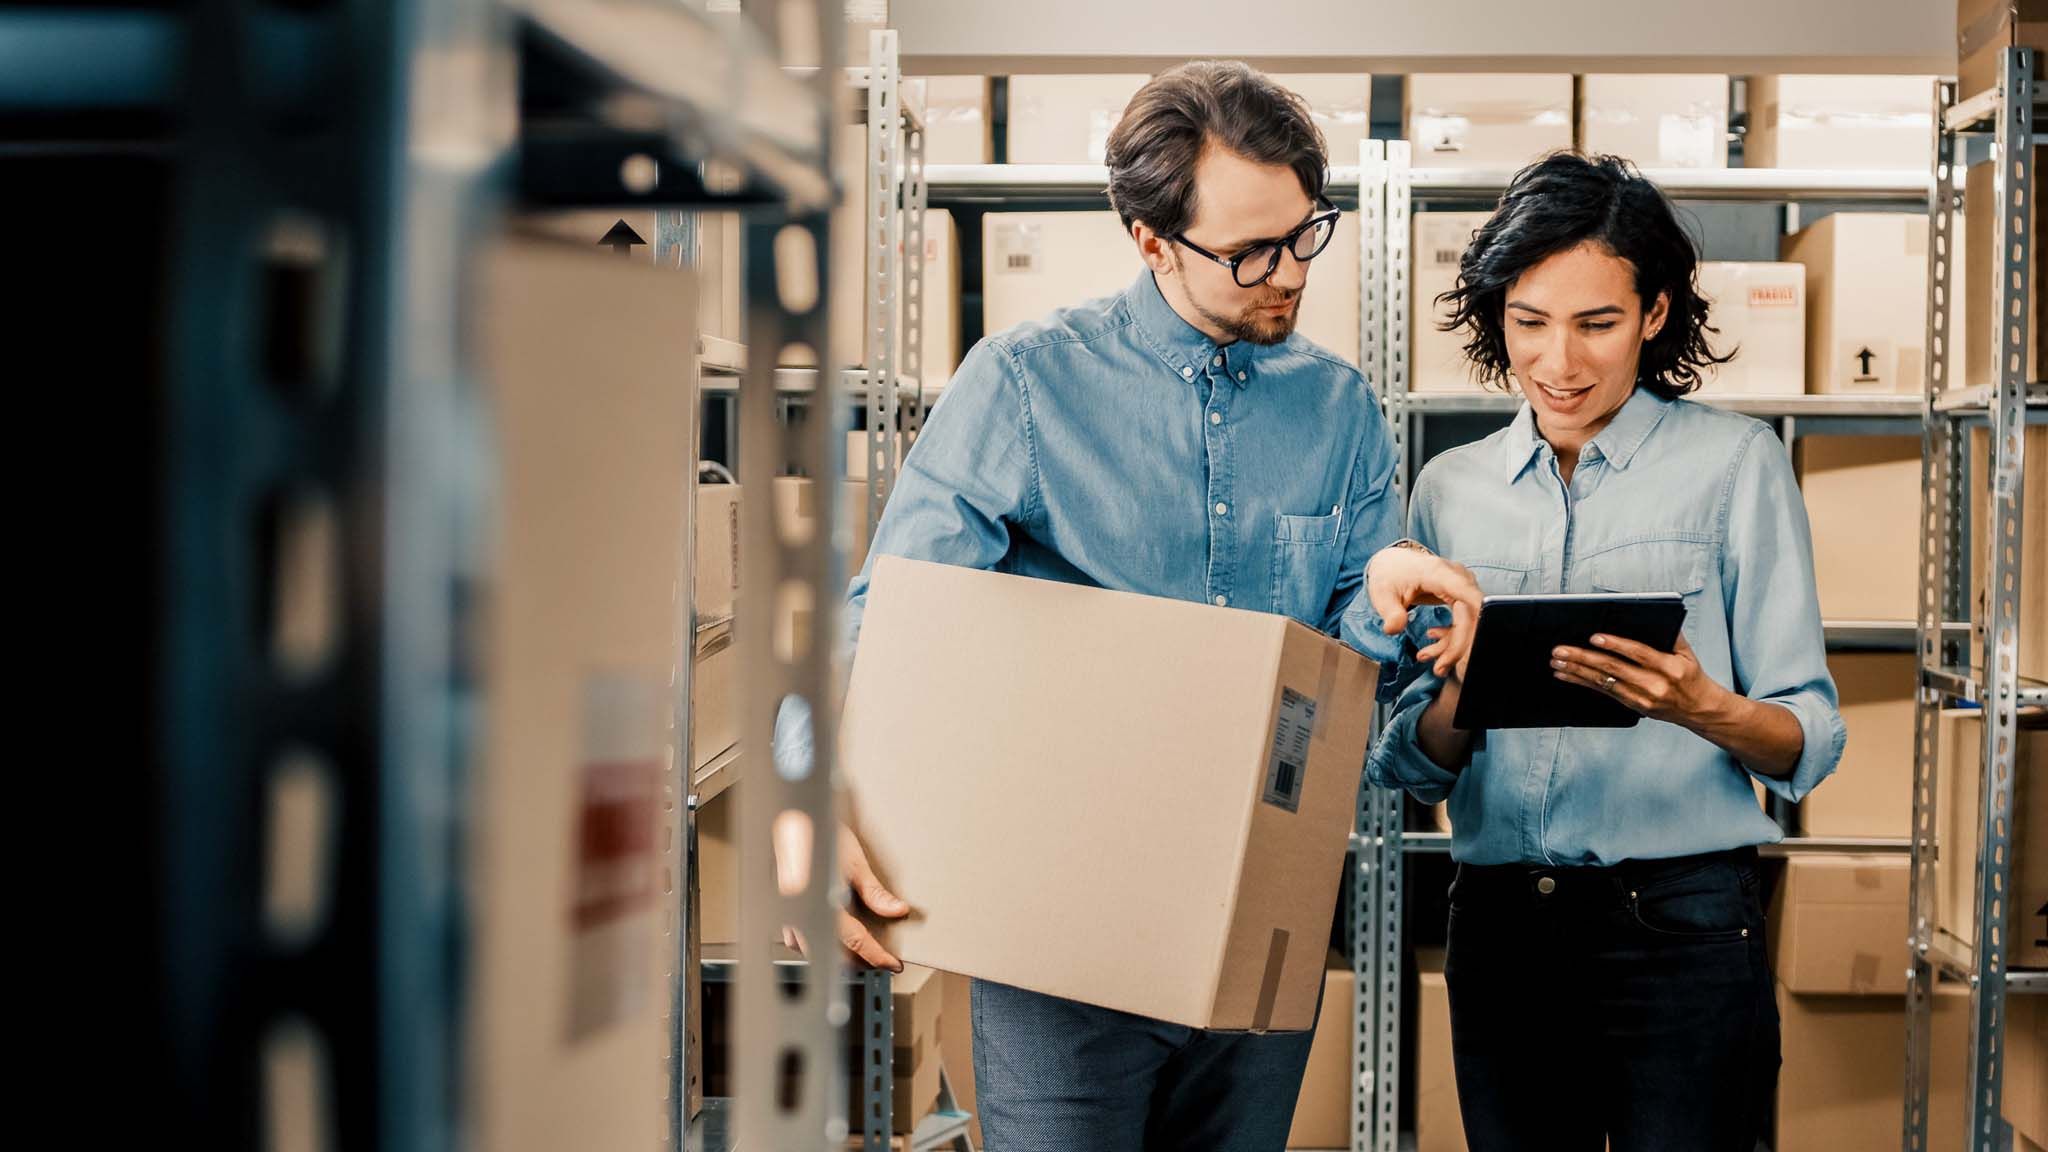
(1179, 439)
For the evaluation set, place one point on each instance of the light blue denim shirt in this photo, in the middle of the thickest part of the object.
(1113, 444)
(1671, 496)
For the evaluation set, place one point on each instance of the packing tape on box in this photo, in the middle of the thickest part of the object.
(1269, 982)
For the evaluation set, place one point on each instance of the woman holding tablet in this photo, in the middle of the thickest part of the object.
(1607, 972)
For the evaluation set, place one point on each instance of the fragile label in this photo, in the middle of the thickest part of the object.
(1288, 763)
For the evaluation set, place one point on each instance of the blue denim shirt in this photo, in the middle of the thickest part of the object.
(1113, 444)
(1671, 496)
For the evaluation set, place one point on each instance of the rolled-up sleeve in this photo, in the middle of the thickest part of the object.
(1778, 646)
(1397, 759)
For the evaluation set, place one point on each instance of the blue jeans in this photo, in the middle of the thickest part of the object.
(1052, 1075)
(1630, 1004)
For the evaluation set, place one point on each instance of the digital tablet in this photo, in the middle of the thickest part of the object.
(1509, 682)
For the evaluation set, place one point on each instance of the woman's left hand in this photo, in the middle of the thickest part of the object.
(1669, 686)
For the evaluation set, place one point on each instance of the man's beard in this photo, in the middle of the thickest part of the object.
(1255, 325)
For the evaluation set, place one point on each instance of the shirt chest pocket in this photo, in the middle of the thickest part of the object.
(1306, 553)
(1656, 566)
(1502, 579)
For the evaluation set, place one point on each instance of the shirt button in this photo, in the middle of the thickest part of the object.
(1216, 363)
(1546, 885)
(1223, 601)
(1240, 377)
(1215, 417)
(1187, 373)
(1223, 509)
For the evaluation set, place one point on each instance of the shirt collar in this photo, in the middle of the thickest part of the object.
(1180, 345)
(1617, 443)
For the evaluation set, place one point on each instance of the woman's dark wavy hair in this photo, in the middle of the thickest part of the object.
(1556, 204)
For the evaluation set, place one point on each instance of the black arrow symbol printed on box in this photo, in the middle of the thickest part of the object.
(1863, 354)
(2042, 912)
(622, 238)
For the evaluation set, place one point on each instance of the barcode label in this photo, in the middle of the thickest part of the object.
(1286, 767)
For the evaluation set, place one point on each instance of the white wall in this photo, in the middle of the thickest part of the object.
(1011, 36)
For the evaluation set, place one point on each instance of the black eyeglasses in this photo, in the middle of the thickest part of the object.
(1257, 263)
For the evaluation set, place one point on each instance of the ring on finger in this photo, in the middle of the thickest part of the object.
(1608, 683)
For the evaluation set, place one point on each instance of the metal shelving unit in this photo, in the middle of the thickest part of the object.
(2007, 114)
(763, 427)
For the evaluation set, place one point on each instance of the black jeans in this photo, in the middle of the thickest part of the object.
(1631, 1004)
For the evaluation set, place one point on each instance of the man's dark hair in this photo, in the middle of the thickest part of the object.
(1152, 151)
(1556, 204)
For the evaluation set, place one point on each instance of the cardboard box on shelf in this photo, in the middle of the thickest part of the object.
(796, 503)
(956, 1046)
(718, 880)
(957, 127)
(1871, 790)
(1844, 1068)
(1838, 924)
(1487, 120)
(2033, 602)
(1980, 271)
(1984, 29)
(1066, 119)
(1671, 121)
(718, 549)
(1036, 262)
(1959, 785)
(570, 1014)
(1436, 359)
(714, 696)
(1866, 302)
(1863, 502)
(1251, 795)
(1438, 1126)
(1322, 1112)
(1759, 308)
(1840, 122)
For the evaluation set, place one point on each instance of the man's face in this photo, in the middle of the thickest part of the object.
(1239, 203)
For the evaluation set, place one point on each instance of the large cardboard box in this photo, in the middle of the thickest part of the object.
(2033, 598)
(1436, 359)
(1871, 790)
(796, 503)
(1487, 120)
(1985, 28)
(1866, 301)
(1438, 1125)
(1671, 121)
(957, 126)
(718, 548)
(1036, 262)
(1199, 850)
(1838, 925)
(1759, 310)
(1959, 793)
(1840, 122)
(1322, 1112)
(1863, 502)
(1842, 1082)
(1980, 270)
(568, 1034)
(718, 880)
